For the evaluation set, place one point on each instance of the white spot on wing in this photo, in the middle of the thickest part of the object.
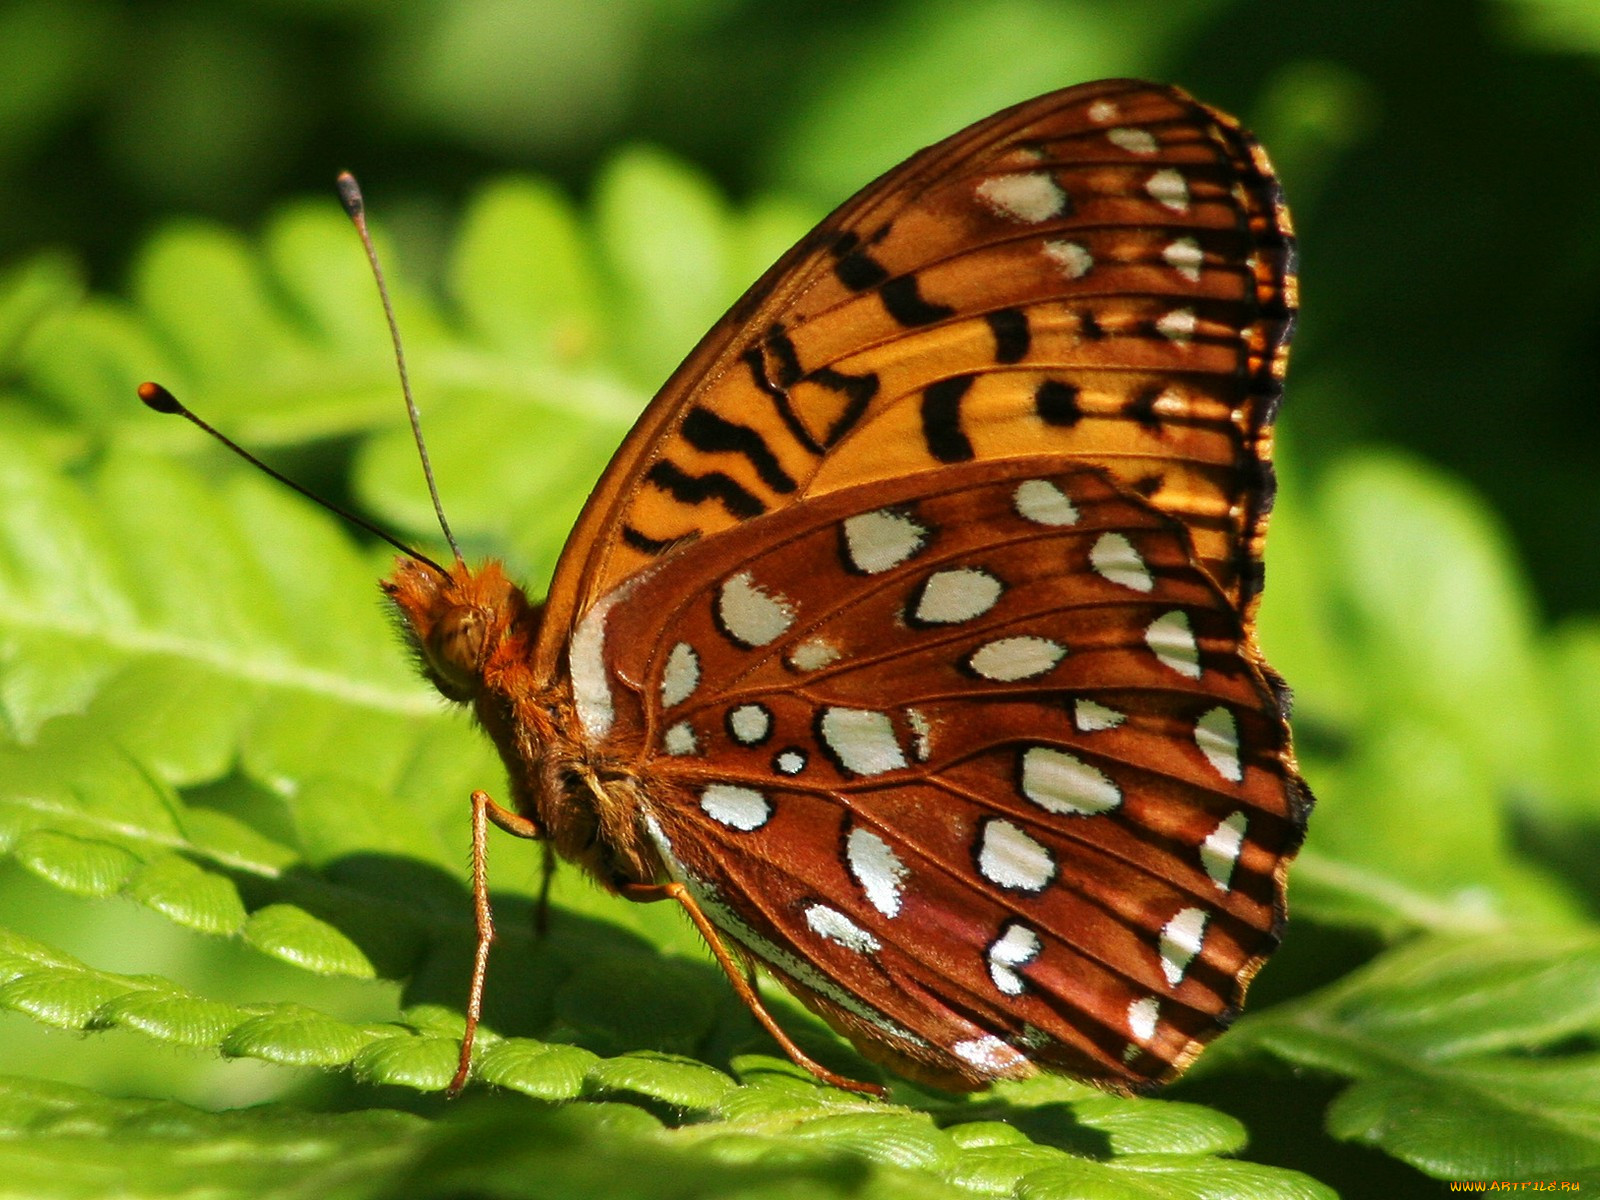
(790, 762)
(591, 684)
(1064, 784)
(836, 927)
(876, 868)
(1016, 947)
(1113, 557)
(1217, 735)
(921, 734)
(1043, 503)
(1142, 1016)
(813, 654)
(668, 857)
(1012, 858)
(740, 808)
(749, 724)
(1090, 716)
(960, 594)
(1011, 659)
(1178, 325)
(1073, 258)
(880, 541)
(1219, 853)
(1102, 111)
(680, 739)
(682, 675)
(1167, 187)
(1134, 141)
(861, 740)
(1030, 196)
(752, 616)
(991, 1055)
(1170, 403)
(1172, 638)
(1185, 257)
(1181, 939)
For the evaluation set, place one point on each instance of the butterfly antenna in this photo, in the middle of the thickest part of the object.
(162, 401)
(350, 196)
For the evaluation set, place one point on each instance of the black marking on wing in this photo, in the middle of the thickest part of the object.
(858, 389)
(697, 489)
(782, 350)
(860, 272)
(856, 269)
(646, 544)
(711, 434)
(1011, 334)
(907, 305)
(1057, 403)
(941, 419)
(1141, 407)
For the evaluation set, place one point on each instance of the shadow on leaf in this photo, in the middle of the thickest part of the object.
(584, 982)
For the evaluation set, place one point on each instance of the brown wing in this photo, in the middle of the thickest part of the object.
(977, 759)
(1104, 274)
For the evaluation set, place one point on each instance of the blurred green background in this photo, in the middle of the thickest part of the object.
(1438, 154)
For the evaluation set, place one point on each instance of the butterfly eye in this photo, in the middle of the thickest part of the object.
(455, 651)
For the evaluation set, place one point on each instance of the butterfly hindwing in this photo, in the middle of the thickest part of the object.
(977, 758)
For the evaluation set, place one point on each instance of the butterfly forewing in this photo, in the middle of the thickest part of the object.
(977, 758)
(1104, 273)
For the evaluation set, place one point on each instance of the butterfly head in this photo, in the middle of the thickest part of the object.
(460, 622)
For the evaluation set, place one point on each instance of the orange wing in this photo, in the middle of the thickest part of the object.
(1104, 274)
(978, 760)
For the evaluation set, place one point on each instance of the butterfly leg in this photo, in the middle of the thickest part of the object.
(646, 893)
(484, 811)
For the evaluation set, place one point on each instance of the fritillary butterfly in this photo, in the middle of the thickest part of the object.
(908, 640)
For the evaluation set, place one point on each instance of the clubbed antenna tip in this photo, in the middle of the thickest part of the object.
(162, 401)
(350, 196)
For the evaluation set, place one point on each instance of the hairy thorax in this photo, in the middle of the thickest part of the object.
(473, 633)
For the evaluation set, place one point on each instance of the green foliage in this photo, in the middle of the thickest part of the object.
(1470, 1056)
(210, 740)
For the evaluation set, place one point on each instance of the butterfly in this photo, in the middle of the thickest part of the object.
(908, 640)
